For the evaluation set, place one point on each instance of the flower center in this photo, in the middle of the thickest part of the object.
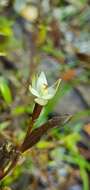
(44, 89)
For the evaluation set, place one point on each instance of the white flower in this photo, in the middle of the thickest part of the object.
(40, 89)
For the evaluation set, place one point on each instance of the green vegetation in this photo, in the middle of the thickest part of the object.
(44, 132)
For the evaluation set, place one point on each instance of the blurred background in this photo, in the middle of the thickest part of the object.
(51, 36)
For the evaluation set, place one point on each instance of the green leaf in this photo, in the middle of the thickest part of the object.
(5, 27)
(52, 51)
(2, 54)
(85, 179)
(18, 110)
(44, 144)
(63, 89)
(4, 125)
(5, 91)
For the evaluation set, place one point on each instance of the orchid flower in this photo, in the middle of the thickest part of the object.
(39, 88)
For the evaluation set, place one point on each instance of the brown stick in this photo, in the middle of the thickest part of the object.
(35, 115)
(36, 134)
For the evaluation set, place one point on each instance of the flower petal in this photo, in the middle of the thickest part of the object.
(34, 91)
(41, 101)
(48, 96)
(41, 80)
(53, 89)
(34, 81)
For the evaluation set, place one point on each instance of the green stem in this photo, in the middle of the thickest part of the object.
(84, 177)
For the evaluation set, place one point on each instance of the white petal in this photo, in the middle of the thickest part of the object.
(53, 89)
(34, 91)
(34, 81)
(41, 80)
(40, 101)
(56, 84)
(49, 95)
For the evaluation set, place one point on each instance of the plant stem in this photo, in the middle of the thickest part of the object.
(35, 115)
(84, 177)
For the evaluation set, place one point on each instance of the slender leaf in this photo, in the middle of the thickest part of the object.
(5, 90)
